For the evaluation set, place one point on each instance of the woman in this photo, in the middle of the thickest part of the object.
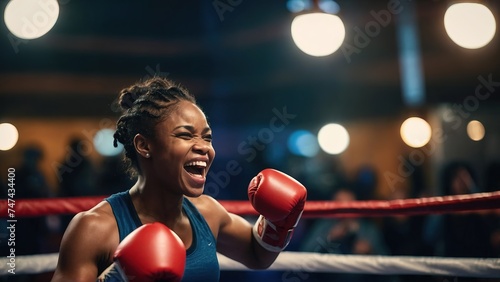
(168, 144)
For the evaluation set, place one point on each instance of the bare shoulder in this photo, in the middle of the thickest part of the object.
(88, 244)
(97, 221)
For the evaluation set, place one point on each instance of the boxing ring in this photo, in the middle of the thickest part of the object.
(304, 261)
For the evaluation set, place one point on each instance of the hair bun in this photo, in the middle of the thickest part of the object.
(129, 95)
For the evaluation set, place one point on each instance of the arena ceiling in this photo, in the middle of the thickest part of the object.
(238, 61)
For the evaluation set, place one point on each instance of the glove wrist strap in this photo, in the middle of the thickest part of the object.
(120, 271)
(271, 237)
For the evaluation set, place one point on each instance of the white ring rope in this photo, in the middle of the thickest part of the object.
(314, 262)
(384, 265)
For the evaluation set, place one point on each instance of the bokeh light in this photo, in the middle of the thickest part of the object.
(475, 130)
(296, 6)
(470, 25)
(30, 19)
(303, 143)
(8, 136)
(103, 143)
(318, 34)
(416, 132)
(329, 6)
(333, 138)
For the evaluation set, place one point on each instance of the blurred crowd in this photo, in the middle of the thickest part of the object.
(474, 234)
(77, 176)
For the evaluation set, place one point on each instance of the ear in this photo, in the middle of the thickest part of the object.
(141, 145)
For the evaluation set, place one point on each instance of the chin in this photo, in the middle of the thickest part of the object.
(194, 192)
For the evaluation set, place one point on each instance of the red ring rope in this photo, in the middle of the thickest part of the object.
(313, 209)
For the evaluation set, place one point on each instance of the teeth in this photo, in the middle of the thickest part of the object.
(197, 163)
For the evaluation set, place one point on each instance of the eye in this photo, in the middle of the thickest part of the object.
(207, 137)
(185, 135)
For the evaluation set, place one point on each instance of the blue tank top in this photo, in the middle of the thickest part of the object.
(201, 256)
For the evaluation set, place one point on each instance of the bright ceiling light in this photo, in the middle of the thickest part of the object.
(333, 138)
(475, 130)
(30, 19)
(415, 132)
(318, 34)
(470, 25)
(8, 136)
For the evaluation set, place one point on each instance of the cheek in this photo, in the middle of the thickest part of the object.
(212, 152)
(169, 152)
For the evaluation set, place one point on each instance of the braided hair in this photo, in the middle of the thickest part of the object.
(144, 105)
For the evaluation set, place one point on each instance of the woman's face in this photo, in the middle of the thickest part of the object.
(182, 150)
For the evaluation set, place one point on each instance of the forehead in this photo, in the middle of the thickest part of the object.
(186, 113)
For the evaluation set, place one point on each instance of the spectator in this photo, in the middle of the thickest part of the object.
(77, 177)
(77, 173)
(404, 236)
(344, 236)
(31, 232)
(459, 234)
(113, 177)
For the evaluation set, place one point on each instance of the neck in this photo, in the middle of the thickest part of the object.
(155, 202)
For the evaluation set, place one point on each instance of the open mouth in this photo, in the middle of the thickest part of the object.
(196, 168)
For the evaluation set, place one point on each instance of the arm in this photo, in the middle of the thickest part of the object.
(81, 247)
(280, 200)
(237, 242)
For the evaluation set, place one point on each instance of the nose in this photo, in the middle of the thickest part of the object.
(202, 147)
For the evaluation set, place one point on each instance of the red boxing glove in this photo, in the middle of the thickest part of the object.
(151, 252)
(280, 200)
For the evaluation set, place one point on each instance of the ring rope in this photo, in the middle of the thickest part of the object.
(303, 262)
(300, 261)
(313, 209)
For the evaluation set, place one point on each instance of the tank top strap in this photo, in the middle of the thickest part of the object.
(124, 212)
(201, 257)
